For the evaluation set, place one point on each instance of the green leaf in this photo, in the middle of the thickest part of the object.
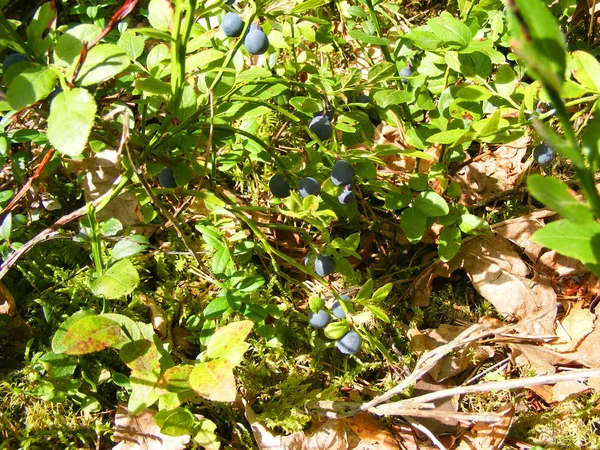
(413, 223)
(471, 224)
(539, 41)
(66, 325)
(204, 434)
(336, 330)
(555, 194)
(125, 248)
(591, 141)
(315, 303)
(69, 45)
(449, 242)
(586, 69)
(71, 119)
(119, 280)
(431, 204)
(365, 291)
(175, 422)
(367, 39)
(576, 240)
(505, 80)
(89, 334)
(378, 312)
(143, 394)
(390, 97)
(424, 38)
(132, 44)
(382, 293)
(42, 24)
(33, 84)
(228, 342)
(214, 380)
(382, 72)
(103, 62)
(153, 86)
(160, 14)
(450, 30)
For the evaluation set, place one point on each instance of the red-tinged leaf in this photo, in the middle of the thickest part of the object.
(88, 335)
(141, 355)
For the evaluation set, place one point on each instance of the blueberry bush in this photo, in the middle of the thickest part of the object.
(212, 209)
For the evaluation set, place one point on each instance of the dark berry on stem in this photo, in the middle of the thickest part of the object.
(324, 265)
(308, 186)
(278, 186)
(350, 343)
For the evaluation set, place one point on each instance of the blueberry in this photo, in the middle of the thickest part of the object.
(13, 58)
(406, 72)
(324, 265)
(543, 154)
(321, 126)
(308, 186)
(342, 173)
(350, 343)
(230, 2)
(256, 40)
(328, 114)
(337, 309)
(347, 196)
(362, 98)
(278, 186)
(232, 24)
(319, 320)
(166, 178)
(307, 258)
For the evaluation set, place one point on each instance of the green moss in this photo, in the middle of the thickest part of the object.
(569, 425)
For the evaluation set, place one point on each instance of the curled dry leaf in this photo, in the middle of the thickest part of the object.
(495, 171)
(500, 276)
(489, 436)
(548, 262)
(140, 432)
(459, 361)
(362, 432)
(573, 329)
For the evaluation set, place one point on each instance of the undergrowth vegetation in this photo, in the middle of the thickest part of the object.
(227, 223)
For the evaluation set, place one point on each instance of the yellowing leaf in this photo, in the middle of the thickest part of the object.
(228, 342)
(214, 380)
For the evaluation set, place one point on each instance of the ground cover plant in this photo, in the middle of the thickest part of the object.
(287, 224)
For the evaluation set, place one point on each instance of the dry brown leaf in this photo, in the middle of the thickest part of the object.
(359, 433)
(573, 329)
(7, 301)
(498, 274)
(459, 361)
(542, 359)
(101, 171)
(140, 432)
(428, 384)
(555, 265)
(492, 172)
(520, 229)
(588, 353)
(489, 436)
(560, 391)
(371, 432)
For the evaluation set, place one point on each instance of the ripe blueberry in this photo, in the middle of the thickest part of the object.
(321, 126)
(232, 24)
(347, 196)
(406, 72)
(337, 310)
(319, 320)
(324, 265)
(342, 173)
(350, 343)
(13, 58)
(328, 113)
(278, 186)
(543, 154)
(166, 178)
(308, 186)
(256, 41)
(362, 98)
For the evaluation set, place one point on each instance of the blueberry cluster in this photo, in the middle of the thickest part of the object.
(342, 174)
(255, 41)
(351, 341)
